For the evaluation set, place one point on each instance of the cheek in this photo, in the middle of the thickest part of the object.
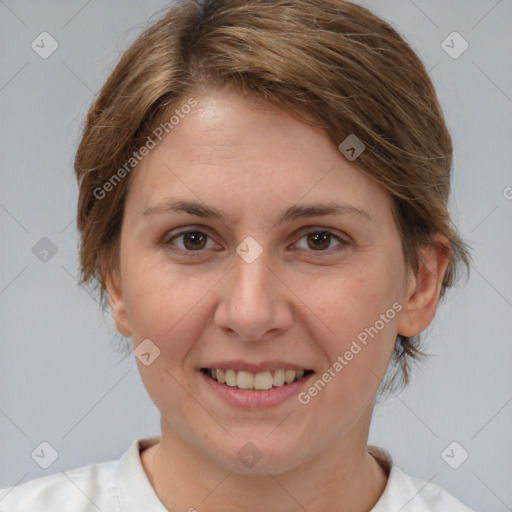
(168, 308)
(165, 304)
(352, 300)
(358, 313)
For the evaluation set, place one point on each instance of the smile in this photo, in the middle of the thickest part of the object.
(260, 381)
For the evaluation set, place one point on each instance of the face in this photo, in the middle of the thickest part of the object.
(259, 290)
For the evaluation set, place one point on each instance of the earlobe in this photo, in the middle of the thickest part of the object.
(117, 302)
(422, 299)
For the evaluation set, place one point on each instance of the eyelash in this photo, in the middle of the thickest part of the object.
(167, 242)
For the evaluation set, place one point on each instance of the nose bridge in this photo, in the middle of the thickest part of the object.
(251, 278)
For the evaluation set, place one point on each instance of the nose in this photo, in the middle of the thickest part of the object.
(254, 302)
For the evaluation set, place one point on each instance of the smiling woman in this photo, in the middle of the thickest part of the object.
(274, 256)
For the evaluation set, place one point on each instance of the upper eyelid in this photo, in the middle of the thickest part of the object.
(206, 230)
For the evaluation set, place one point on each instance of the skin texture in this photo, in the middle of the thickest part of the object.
(294, 303)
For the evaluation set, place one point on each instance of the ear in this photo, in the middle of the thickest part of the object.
(424, 288)
(117, 302)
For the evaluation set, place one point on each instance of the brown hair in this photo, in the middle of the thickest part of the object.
(330, 63)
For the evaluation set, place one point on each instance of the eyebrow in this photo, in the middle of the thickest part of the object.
(297, 211)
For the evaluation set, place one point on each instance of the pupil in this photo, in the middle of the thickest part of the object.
(322, 237)
(193, 237)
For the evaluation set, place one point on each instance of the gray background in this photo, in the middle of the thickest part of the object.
(61, 378)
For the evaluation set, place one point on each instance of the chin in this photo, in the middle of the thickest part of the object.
(259, 458)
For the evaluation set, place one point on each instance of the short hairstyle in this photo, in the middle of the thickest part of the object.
(330, 63)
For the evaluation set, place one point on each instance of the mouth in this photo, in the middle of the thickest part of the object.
(261, 381)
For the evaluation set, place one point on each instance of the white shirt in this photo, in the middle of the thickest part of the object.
(123, 486)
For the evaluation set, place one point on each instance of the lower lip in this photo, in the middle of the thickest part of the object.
(247, 399)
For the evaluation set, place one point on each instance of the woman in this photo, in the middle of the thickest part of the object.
(263, 205)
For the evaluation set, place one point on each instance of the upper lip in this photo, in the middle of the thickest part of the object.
(248, 366)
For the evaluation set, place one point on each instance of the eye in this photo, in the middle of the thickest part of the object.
(320, 240)
(196, 241)
(193, 240)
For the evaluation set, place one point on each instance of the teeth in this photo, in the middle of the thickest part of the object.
(262, 380)
(258, 381)
(289, 376)
(245, 380)
(231, 378)
(278, 378)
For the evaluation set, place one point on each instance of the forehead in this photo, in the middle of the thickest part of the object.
(228, 147)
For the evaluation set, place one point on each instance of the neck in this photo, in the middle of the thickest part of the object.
(346, 477)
